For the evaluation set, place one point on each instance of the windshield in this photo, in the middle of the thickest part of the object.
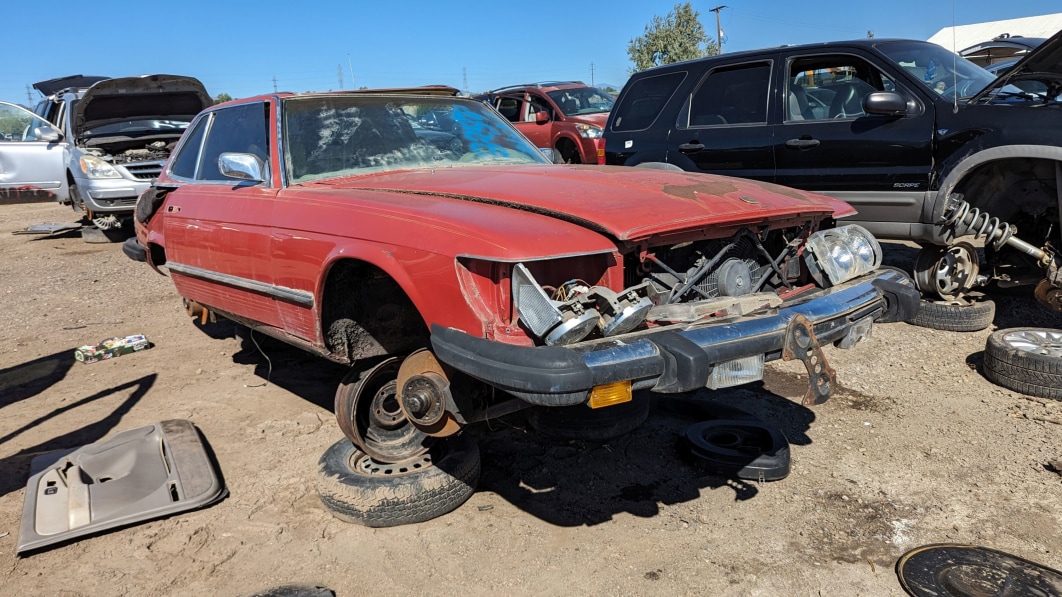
(582, 100)
(940, 70)
(329, 136)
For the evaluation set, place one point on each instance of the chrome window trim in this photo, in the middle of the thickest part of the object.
(281, 293)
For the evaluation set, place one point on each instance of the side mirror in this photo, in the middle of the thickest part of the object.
(242, 166)
(541, 117)
(888, 103)
(46, 133)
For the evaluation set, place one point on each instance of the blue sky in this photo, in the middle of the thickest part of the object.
(238, 47)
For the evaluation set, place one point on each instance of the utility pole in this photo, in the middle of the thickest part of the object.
(29, 96)
(592, 75)
(339, 73)
(718, 28)
(274, 83)
(464, 76)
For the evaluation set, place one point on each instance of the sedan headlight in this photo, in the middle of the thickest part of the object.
(93, 167)
(587, 131)
(842, 254)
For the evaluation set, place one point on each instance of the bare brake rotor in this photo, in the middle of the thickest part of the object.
(423, 388)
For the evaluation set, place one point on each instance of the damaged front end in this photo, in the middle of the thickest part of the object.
(694, 314)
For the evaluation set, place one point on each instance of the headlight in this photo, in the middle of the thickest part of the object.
(555, 322)
(587, 131)
(94, 167)
(842, 253)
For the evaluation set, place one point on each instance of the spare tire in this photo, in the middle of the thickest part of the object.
(957, 315)
(1026, 360)
(355, 488)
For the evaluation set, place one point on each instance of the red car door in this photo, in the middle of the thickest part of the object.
(218, 228)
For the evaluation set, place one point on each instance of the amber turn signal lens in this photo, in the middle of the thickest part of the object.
(609, 394)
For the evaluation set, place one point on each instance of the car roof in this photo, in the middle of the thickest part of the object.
(437, 90)
(544, 85)
(865, 43)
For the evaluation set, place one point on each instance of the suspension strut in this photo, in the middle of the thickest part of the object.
(964, 219)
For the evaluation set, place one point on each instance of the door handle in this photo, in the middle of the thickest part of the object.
(802, 143)
(691, 146)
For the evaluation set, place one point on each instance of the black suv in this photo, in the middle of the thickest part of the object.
(926, 145)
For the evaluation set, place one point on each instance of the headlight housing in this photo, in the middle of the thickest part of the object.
(94, 167)
(837, 255)
(589, 131)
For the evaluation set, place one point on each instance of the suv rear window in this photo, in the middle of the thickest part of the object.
(732, 95)
(641, 104)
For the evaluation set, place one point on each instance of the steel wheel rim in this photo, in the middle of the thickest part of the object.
(367, 466)
(1043, 342)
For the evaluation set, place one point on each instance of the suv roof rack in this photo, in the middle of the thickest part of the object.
(539, 84)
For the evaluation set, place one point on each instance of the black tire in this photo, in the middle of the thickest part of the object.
(955, 316)
(746, 449)
(1015, 359)
(355, 488)
(585, 423)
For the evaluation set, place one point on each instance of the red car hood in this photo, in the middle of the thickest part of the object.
(627, 203)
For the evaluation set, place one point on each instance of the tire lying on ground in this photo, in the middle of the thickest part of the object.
(355, 488)
(1026, 360)
(957, 315)
(741, 448)
(593, 424)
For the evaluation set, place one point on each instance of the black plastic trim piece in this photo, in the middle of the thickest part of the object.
(134, 250)
(686, 365)
(903, 300)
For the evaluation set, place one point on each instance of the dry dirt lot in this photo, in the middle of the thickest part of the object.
(916, 447)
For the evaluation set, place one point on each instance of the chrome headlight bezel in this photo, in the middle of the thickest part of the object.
(837, 255)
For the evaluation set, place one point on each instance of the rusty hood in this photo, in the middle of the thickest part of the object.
(629, 204)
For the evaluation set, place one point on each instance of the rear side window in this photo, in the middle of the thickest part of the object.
(732, 95)
(642, 103)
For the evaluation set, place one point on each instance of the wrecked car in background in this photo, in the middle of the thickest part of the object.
(115, 134)
(467, 280)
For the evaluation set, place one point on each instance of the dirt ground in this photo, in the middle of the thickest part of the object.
(915, 447)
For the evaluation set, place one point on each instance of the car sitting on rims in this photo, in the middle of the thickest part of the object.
(462, 281)
(567, 116)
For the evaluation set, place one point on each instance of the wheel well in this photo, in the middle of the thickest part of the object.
(365, 313)
(564, 143)
(1012, 187)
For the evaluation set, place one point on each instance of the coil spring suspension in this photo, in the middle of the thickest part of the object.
(965, 219)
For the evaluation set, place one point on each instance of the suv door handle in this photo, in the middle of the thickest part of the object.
(802, 143)
(691, 146)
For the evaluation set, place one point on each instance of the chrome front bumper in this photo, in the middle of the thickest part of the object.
(679, 357)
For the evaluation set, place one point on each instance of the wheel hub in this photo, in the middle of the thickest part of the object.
(946, 271)
(1035, 341)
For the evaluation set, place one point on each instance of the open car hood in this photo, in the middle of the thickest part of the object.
(629, 204)
(139, 98)
(1042, 63)
(52, 86)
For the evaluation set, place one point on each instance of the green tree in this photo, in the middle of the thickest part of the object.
(678, 36)
(222, 98)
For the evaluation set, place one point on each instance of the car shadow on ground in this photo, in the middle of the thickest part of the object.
(14, 469)
(28, 379)
(577, 483)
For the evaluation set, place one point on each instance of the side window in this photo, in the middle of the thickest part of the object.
(831, 87)
(534, 106)
(509, 107)
(240, 129)
(17, 124)
(184, 163)
(732, 95)
(643, 102)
